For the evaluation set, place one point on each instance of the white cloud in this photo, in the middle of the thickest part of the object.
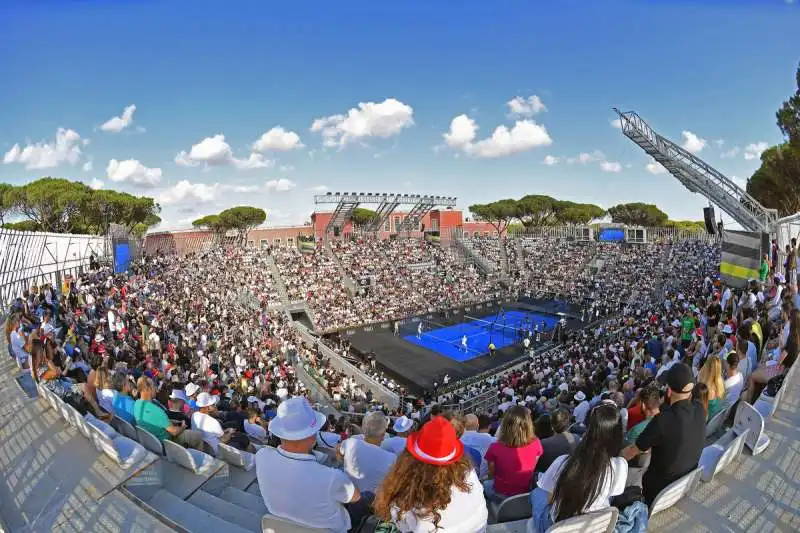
(96, 184)
(610, 166)
(525, 107)
(550, 160)
(586, 157)
(319, 188)
(279, 185)
(654, 167)
(369, 119)
(616, 123)
(65, 149)
(254, 161)
(214, 151)
(462, 132)
(278, 140)
(733, 152)
(132, 171)
(719, 142)
(754, 150)
(117, 124)
(87, 167)
(185, 192)
(523, 136)
(692, 143)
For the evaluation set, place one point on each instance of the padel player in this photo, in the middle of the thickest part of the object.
(492, 348)
(464, 343)
(419, 331)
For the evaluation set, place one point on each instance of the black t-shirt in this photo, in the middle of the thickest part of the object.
(675, 438)
(714, 312)
(554, 447)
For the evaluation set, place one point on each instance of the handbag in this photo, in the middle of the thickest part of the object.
(774, 385)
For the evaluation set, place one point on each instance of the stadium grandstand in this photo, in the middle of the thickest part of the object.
(180, 381)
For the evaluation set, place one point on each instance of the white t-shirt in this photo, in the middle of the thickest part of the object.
(395, 444)
(306, 492)
(614, 485)
(581, 410)
(733, 389)
(481, 442)
(105, 399)
(18, 347)
(209, 427)
(466, 512)
(365, 463)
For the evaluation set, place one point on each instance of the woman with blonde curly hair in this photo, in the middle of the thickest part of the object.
(711, 376)
(432, 487)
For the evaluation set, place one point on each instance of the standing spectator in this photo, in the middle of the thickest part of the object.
(675, 437)
(512, 459)
(432, 486)
(308, 493)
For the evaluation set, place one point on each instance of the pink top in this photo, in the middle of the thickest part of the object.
(513, 467)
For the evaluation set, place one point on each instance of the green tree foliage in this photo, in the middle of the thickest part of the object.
(141, 227)
(6, 201)
(362, 216)
(571, 213)
(535, 210)
(788, 116)
(24, 225)
(497, 214)
(696, 226)
(242, 219)
(638, 214)
(776, 183)
(211, 222)
(108, 207)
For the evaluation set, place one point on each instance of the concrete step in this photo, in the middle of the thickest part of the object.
(244, 499)
(253, 489)
(191, 517)
(241, 516)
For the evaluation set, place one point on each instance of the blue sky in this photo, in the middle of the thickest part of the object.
(264, 103)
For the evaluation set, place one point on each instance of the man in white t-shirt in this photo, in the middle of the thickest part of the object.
(735, 382)
(476, 435)
(206, 424)
(364, 460)
(297, 487)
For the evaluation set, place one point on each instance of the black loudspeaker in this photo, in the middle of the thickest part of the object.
(711, 224)
(336, 231)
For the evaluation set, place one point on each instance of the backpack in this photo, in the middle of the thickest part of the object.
(774, 385)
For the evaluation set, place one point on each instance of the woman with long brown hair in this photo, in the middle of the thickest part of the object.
(432, 486)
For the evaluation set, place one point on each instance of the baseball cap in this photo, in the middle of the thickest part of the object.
(680, 378)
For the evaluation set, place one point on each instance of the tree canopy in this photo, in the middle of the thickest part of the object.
(776, 183)
(498, 214)
(241, 219)
(60, 205)
(638, 214)
(362, 216)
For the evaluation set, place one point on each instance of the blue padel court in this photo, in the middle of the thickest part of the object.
(502, 330)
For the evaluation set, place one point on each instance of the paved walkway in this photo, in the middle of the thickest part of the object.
(51, 479)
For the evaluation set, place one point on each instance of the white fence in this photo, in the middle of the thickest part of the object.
(32, 259)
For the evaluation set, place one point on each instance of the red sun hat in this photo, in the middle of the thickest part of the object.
(436, 443)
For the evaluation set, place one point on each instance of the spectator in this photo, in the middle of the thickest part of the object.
(153, 418)
(650, 402)
(476, 436)
(123, 402)
(512, 459)
(364, 460)
(561, 443)
(402, 428)
(711, 376)
(432, 486)
(675, 437)
(308, 493)
(735, 381)
(782, 359)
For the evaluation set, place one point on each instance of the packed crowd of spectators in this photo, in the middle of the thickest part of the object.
(609, 417)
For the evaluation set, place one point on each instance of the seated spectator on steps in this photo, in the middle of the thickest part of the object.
(650, 401)
(476, 436)
(711, 376)
(674, 438)
(364, 460)
(512, 459)
(308, 493)
(123, 401)
(585, 481)
(735, 381)
(151, 417)
(781, 362)
(432, 486)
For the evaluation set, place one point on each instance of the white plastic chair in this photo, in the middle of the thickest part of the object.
(149, 441)
(101, 426)
(193, 460)
(748, 418)
(124, 427)
(715, 424)
(516, 507)
(244, 460)
(672, 493)
(597, 522)
(719, 455)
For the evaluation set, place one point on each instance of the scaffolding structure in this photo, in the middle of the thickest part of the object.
(698, 176)
(347, 202)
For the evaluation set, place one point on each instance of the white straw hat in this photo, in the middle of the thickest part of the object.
(204, 399)
(296, 420)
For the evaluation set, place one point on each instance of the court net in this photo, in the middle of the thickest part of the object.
(496, 326)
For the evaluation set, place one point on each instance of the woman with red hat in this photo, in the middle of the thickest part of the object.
(432, 486)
